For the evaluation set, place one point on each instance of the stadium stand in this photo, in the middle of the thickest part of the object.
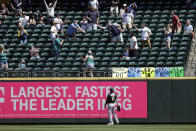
(156, 14)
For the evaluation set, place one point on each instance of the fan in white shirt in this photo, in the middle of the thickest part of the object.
(127, 19)
(133, 46)
(122, 10)
(133, 43)
(145, 32)
(94, 3)
(23, 20)
(59, 22)
(188, 28)
(54, 30)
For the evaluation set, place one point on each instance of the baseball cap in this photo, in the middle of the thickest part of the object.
(89, 52)
(124, 5)
(50, 4)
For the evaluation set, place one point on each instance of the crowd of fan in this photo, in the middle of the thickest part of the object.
(89, 22)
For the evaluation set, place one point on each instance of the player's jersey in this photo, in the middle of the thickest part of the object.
(111, 98)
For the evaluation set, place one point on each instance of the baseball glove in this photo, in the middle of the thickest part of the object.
(118, 108)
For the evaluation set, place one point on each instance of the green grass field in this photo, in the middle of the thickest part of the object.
(137, 127)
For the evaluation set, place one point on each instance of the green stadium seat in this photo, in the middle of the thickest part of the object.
(141, 64)
(74, 49)
(132, 64)
(182, 53)
(187, 35)
(162, 59)
(102, 49)
(77, 64)
(181, 58)
(50, 64)
(160, 64)
(123, 64)
(155, 53)
(98, 35)
(151, 64)
(99, 54)
(157, 44)
(179, 63)
(153, 59)
(117, 54)
(109, 54)
(143, 59)
(114, 64)
(72, 54)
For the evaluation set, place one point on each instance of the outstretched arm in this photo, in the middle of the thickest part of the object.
(84, 59)
(80, 29)
(12, 6)
(45, 4)
(101, 27)
(136, 27)
(54, 6)
(19, 4)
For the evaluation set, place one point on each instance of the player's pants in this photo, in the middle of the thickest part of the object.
(111, 111)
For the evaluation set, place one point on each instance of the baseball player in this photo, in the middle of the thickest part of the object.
(111, 101)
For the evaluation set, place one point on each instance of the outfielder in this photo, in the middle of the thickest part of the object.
(111, 102)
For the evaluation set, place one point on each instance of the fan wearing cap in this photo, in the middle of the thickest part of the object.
(23, 20)
(122, 10)
(111, 101)
(89, 59)
(50, 10)
(59, 22)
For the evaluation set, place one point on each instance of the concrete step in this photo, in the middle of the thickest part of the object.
(191, 59)
(194, 59)
(190, 68)
(192, 53)
(192, 65)
(190, 74)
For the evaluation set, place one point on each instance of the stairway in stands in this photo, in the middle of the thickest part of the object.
(190, 70)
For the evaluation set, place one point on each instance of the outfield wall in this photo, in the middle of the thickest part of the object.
(79, 100)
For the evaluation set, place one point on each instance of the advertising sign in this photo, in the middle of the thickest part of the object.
(119, 72)
(161, 72)
(176, 72)
(71, 99)
(134, 72)
(148, 72)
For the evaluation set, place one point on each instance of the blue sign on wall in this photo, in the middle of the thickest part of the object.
(162, 72)
(134, 72)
